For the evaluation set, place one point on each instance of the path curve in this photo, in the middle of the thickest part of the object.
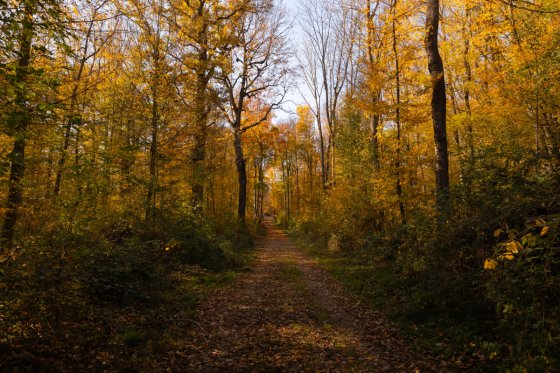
(288, 315)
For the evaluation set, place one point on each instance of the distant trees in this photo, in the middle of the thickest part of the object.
(325, 59)
(364, 68)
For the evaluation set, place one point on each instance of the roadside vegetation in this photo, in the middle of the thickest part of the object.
(113, 297)
(479, 291)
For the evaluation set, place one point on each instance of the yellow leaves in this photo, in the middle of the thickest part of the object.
(508, 256)
(510, 249)
(171, 245)
(73, 285)
(533, 239)
(490, 264)
(529, 240)
(513, 246)
(545, 228)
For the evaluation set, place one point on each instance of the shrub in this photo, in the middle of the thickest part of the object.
(523, 279)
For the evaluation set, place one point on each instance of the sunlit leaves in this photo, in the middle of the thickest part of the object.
(490, 264)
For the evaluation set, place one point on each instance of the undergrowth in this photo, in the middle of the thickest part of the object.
(112, 296)
(479, 291)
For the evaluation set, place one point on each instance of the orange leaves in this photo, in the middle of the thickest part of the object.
(490, 264)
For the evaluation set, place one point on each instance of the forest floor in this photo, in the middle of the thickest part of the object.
(286, 314)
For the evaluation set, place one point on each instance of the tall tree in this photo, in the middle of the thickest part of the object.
(398, 160)
(18, 122)
(258, 69)
(32, 19)
(438, 105)
(87, 51)
(153, 45)
(330, 34)
(204, 37)
(372, 53)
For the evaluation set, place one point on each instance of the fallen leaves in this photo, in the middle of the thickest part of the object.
(288, 315)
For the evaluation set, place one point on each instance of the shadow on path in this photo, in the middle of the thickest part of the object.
(287, 315)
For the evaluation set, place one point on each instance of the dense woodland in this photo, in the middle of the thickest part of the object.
(142, 142)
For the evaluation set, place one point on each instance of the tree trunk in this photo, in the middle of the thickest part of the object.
(71, 117)
(374, 118)
(151, 199)
(19, 121)
(322, 151)
(438, 104)
(297, 186)
(255, 190)
(468, 78)
(66, 143)
(261, 191)
(375, 140)
(198, 154)
(398, 118)
(288, 191)
(241, 175)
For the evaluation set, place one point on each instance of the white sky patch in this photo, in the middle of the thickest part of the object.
(294, 97)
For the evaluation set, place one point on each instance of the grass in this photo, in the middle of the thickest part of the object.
(458, 340)
(363, 274)
(289, 273)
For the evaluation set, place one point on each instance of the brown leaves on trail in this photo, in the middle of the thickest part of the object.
(288, 315)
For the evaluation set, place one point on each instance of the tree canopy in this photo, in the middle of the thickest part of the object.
(426, 140)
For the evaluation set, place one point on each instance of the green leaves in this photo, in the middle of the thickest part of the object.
(524, 283)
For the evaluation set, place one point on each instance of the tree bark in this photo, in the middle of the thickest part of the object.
(151, 199)
(72, 116)
(198, 156)
(241, 176)
(438, 106)
(65, 143)
(399, 187)
(19, 121)
(203, 74)
(468, 78)
(374, 117)
(324, 171)
(156, 81)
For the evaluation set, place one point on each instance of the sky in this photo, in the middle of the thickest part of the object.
(293, 98)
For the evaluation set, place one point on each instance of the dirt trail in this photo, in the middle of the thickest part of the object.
(287, 315)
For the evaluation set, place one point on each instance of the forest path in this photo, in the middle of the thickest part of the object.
(287, 315)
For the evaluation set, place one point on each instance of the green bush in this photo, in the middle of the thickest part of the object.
(523, 279)
(70, 276)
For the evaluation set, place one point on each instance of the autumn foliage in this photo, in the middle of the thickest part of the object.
(142, 144)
